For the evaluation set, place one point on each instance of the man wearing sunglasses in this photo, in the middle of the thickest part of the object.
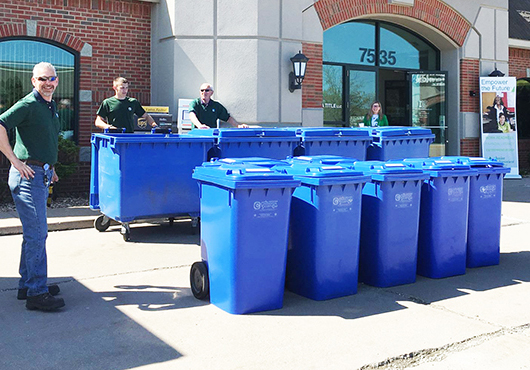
(118, 111)
(36, 122)
(204, 111)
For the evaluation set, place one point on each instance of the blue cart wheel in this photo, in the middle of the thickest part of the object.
(102, 223)
(199, 281)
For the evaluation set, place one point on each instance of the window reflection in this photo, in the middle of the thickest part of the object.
(17, 58)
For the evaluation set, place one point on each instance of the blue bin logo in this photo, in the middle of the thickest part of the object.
(488, 191)
(404, 200)
(265, 208)
(455, 194)
(342, 203)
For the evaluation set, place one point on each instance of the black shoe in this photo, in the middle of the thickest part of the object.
(52, 289)
(44, 302)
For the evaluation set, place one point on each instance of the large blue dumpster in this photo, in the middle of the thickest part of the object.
(244, 229)
(272, 143)
(485, 201)
(389, 223)
(323, 256)
(443, 217)
(341, 141)
(135, 177)
(396, 142)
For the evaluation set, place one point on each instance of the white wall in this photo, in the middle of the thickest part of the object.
(243, 47)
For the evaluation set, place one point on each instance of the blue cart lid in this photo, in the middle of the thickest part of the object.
(243, 176)
(438, 167)
(321, 174)
(257, 161)
(327, 159)
(209, 132)
(389, 171)
(391, 131)
(255, 132)
(483, 165)
(118, 139)
(311, 132)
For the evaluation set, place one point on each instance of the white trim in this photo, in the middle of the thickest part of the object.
(521, 44)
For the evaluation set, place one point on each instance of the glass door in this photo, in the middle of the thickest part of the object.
(361, 94)
(428, 106)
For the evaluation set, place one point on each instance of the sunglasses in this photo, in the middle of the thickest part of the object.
(51, 78)
(203, 90)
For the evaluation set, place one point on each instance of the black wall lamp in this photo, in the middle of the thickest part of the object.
(496, 73)
(296, 77)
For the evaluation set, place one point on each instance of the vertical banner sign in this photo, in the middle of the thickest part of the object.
(498, 124)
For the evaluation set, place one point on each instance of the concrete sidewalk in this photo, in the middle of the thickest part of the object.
(129, 306)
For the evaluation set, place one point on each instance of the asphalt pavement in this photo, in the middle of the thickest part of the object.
(129, 306)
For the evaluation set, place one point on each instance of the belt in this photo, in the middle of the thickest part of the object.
(36, 163)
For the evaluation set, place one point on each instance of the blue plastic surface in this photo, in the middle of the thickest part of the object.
(389, 223)
(137, 177)
(249, 142)
(323, 256)
(443, 217)
(348, 142)
(244, 225)
(393, 142)
(485, 202)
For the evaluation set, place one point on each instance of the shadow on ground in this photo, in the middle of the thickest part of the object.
(89, 333)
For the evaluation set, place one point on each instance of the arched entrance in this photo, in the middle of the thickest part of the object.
(365, 61)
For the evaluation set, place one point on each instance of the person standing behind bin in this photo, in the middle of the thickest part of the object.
(118, 111)
(37, 125)
(375, 117)
(204, 111)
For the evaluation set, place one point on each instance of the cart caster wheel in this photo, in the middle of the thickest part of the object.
(199, 281)
(125, 232)
(102, 223)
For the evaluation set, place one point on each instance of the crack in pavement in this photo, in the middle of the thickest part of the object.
(440, 353)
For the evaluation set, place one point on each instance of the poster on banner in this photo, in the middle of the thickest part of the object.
(498, 123)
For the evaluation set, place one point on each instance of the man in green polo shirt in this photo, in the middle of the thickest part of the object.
(118, 111)
(204, 111)
(35, 119)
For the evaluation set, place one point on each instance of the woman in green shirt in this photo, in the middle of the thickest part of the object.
(375, 117)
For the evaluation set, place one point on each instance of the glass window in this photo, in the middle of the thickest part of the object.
(352, 42)
(332, 93)
(402, 49)
(17, 58)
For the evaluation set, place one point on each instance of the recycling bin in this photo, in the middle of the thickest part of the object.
(389, 223)
(144, 176)
(485, 201)
(341, 141)
(443, 217)
(244, 229)
(271, 143)
(323, 255)
(396, 142)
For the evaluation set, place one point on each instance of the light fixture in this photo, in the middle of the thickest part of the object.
(496, 73)
(297, 76)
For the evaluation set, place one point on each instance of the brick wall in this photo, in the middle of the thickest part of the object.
(118, 33)
(524, 153)
(312, 85)
(469, 81)
(433, 12)
(469, 147)
(519, 61)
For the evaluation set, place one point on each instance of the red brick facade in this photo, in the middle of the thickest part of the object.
(470, 147)
(469, 82)
(312, 85)
(118, 32)
(519, 61)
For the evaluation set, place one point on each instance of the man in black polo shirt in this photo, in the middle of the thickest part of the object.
(37, 127)
(204, 111)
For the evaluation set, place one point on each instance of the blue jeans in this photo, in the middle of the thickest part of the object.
(30, 198)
